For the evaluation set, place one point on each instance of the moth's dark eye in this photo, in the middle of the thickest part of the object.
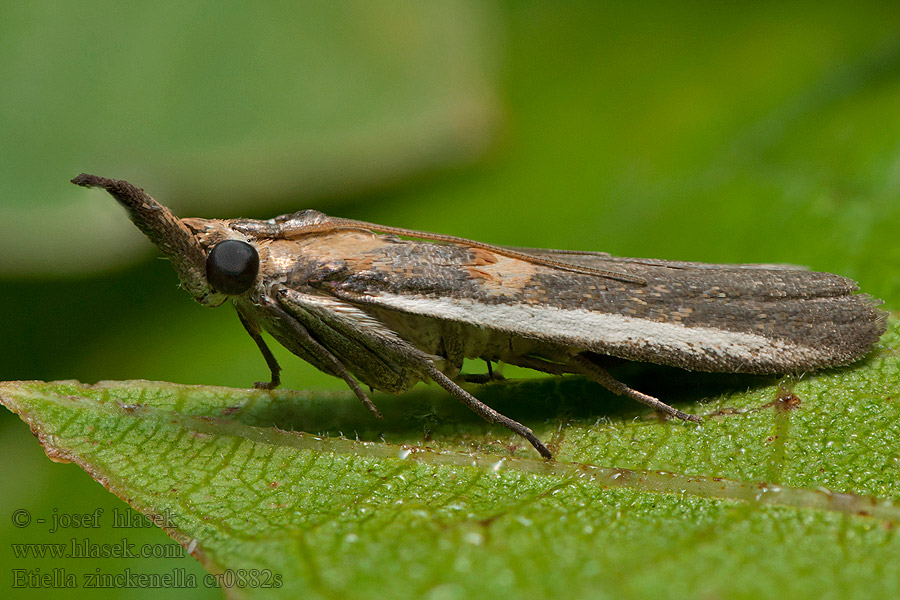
(232, 266)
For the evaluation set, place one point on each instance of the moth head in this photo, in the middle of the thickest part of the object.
(212, 261)
(232, 260)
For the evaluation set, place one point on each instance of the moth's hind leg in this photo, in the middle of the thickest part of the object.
(585, 366)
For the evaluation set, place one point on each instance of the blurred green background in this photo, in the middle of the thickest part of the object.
(697, 131)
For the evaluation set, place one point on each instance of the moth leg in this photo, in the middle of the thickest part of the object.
(377, 338)
(482, 378)
(484, 411)
(322, 353)
(584, 366)
(274, 368)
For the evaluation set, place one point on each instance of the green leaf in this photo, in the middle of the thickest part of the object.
(782, 483)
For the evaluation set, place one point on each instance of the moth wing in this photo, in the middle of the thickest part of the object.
(736, 318)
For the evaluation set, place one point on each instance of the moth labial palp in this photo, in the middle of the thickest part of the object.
(388, 307)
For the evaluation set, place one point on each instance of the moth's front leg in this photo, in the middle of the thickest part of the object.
(274, 368)
(323, 358)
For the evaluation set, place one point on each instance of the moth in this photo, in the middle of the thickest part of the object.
(387, 307)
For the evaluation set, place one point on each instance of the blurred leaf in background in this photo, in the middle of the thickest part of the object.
(697, 131)
(222, 107)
